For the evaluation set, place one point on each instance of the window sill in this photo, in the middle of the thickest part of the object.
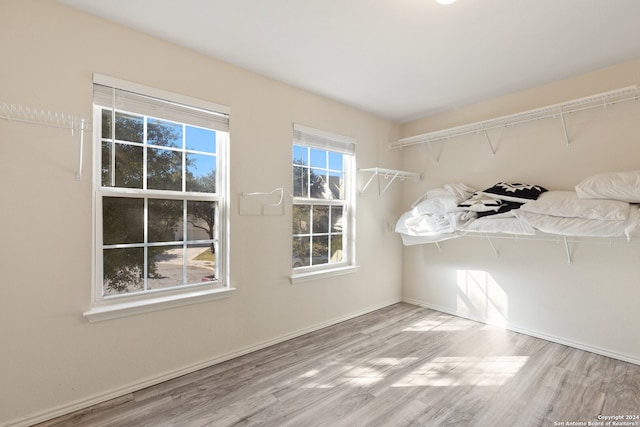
(322, 274)
(131, 308)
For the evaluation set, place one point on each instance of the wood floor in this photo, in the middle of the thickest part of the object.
(399, 366)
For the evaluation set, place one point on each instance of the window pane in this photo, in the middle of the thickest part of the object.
(199, 139)
(320, 250)
(300, 181)
(300, 155)
(335, 161)
(165, 267)
(336, 185)
(318, 158)
(164, 133)
(129, 127)
(301, 252)
(122, 270)
(301, 219)
(164, 169)
(336, 248)
(320, 219)
(122, 220)
(201, 261)
(165, 220)
(319, 184)
(201, 217)
(201, 173)
(128, 165)
(336, 219)
(106, 124)
(107, 170)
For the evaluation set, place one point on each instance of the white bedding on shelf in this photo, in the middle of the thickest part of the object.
(435, 214)
(567, 204)
(511, 225)
(437, 217)
(573, 226)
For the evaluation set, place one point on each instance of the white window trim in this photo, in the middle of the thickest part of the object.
(159, 93)
(310, 137)
(308, 276)
(122, 306)
(131, 308)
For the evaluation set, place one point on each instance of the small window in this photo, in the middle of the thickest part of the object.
(160, 196)
(323, 166)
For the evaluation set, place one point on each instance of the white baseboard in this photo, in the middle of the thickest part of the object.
(536, 334)
(133, 387)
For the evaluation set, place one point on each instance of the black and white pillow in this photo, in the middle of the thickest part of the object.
(478, 202)
(504, 211)
(514, 192)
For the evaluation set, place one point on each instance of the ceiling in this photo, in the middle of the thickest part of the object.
(399, 59)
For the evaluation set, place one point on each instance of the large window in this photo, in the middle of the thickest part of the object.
(160, 196)
(323, 167)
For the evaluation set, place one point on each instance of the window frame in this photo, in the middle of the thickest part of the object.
(311, 138)
(114, 306)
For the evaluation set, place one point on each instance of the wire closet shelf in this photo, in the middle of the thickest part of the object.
(630, 93)
(38, 116)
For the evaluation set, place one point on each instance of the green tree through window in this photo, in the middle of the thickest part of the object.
(140, 152)
(319, 207)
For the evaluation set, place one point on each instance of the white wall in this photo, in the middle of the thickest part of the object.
(530, 287)
(52, 359)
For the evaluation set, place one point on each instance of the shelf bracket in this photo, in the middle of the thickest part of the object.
(367, 184)
(438, 246)
(568, 251)
(564, 129)
(495, 251)
(436, 156)
(486, 134)
(390, 174)
(390, 181)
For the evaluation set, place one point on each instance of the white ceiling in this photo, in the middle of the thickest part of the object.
(399, 59)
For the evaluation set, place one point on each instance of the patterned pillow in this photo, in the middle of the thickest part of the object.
(504, 211)
(514, 192)
(478, 202)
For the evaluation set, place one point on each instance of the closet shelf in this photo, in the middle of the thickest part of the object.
(605, 99)
(21, 113)
(390, 174)
(563, 240)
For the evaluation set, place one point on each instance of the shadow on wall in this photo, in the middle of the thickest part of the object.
(480, 297)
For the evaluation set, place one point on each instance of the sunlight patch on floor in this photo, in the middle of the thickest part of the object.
(437, 326)
(464, 370)
(360, 376)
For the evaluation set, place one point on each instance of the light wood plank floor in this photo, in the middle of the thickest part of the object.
(399, 366)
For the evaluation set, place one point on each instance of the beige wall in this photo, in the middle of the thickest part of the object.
(51, 358)
(530, 287)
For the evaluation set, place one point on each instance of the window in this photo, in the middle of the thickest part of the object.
(323, 210)
(160, 179)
